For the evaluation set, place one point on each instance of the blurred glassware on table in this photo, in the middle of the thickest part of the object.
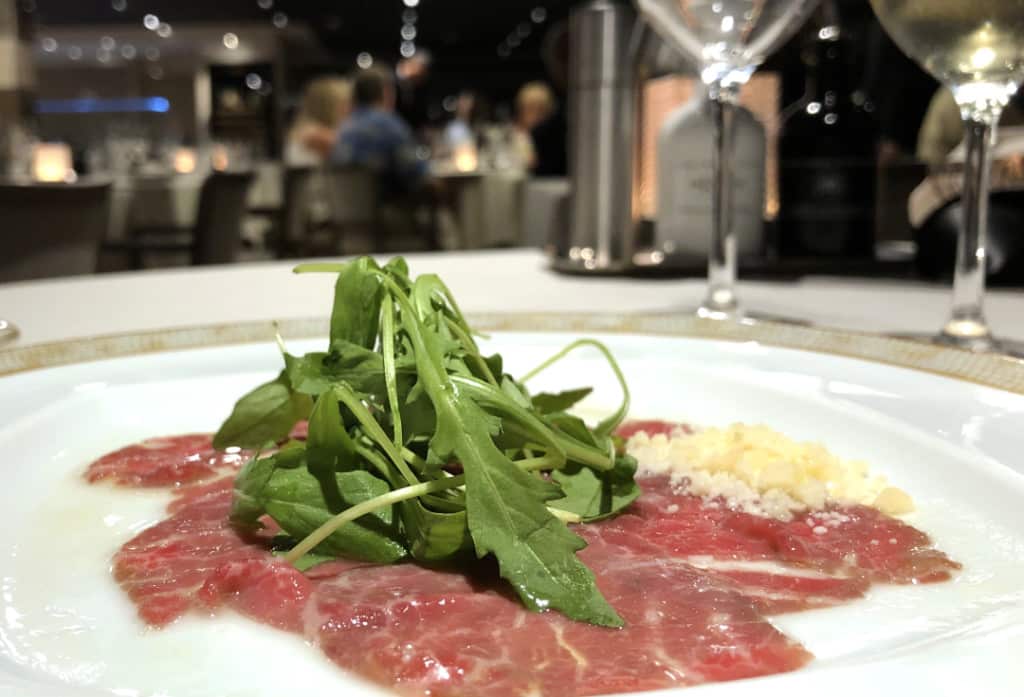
(727, 40)
(52, 162)
(974, 48)
(8, 331)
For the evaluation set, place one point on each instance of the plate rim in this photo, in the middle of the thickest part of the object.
(988, 370)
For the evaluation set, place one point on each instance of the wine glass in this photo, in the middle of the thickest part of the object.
(727, 40)
(975, 48)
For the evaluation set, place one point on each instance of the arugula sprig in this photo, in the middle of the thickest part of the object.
(421, 447)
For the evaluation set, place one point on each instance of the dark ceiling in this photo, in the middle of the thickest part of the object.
(470, 29)
(463, 36)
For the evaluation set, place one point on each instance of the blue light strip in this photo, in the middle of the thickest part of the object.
(156, 105)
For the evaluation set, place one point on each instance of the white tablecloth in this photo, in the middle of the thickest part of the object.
(164, 201)
(493, 281)
(489, 208)
(172, 200)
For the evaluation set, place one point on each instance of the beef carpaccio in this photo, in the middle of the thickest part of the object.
(693, 582)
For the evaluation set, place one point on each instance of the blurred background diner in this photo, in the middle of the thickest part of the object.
(141, 134)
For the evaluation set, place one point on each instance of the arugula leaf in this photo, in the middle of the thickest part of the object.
(357, 297)
(404, 400)
(308, 561)
(597, 495)
(547, 403)
(505, 507)
(329, 448)
(264, 416)
(250, 482)
(295, 499)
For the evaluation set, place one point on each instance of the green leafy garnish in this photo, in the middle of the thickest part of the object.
(421, 447)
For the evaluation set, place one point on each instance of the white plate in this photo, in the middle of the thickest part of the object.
(67, 630)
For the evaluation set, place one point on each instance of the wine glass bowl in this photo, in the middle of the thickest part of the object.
(726, 40)
(974, 48)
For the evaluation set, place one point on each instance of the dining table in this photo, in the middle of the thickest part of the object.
(484, 282)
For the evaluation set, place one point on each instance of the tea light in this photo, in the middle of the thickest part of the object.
(465, 158)
(51, 162)
(184, 160)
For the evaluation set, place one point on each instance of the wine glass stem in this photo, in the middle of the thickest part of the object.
(721, 301)
(967, 326)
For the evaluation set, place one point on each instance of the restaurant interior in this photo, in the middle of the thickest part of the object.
(511, 348)
(155, 135)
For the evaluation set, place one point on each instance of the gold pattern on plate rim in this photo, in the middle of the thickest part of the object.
(996, 371)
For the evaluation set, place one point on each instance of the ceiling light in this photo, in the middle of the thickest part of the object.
(107, 43)
(74, 53)
(280, 20)
(164, 31)
(411, 3)
(538, 15)
(408, 49)
(265, 4)
(364, 60)
(410, 16)
(128, 52)
(230, 41)
(151, 22)
(49, 44)
(253, 81)
(119, 5)
(408, 32)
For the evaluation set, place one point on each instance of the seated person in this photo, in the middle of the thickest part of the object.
(377, 138)
(535, 105)
(943, 127)
(326, 104)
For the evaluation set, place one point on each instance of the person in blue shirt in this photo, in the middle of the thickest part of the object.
(376, 137)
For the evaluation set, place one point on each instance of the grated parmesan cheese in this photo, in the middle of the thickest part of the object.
(761, 471)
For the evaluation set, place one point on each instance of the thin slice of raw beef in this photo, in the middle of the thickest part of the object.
(693, 583)
(169, 461)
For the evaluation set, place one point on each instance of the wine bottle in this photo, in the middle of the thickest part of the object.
(685, 150)
(827, 159)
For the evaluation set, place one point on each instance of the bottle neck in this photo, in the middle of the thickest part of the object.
(827, 76)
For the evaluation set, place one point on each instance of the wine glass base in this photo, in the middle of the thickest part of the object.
(742, 316)
(1005, 347)
(8, 332)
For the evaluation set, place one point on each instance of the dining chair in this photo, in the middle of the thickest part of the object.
(291, 227)
(51, 230)
(216, 236)
(352, 200)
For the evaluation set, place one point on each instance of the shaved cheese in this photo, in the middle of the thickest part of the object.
(761, 471)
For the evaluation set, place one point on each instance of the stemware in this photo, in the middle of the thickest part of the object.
(8, 332)
(975, 48)
(727, 40)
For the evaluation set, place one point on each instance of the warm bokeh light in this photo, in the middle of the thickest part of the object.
(465, 158)
(219, 159)
(51, 162)
(185, 160)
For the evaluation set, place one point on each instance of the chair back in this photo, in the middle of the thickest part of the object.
(51, 229)
(299, 190)
(352, 195)
(222, 206)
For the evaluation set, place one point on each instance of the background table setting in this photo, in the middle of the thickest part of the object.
(517, 281)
